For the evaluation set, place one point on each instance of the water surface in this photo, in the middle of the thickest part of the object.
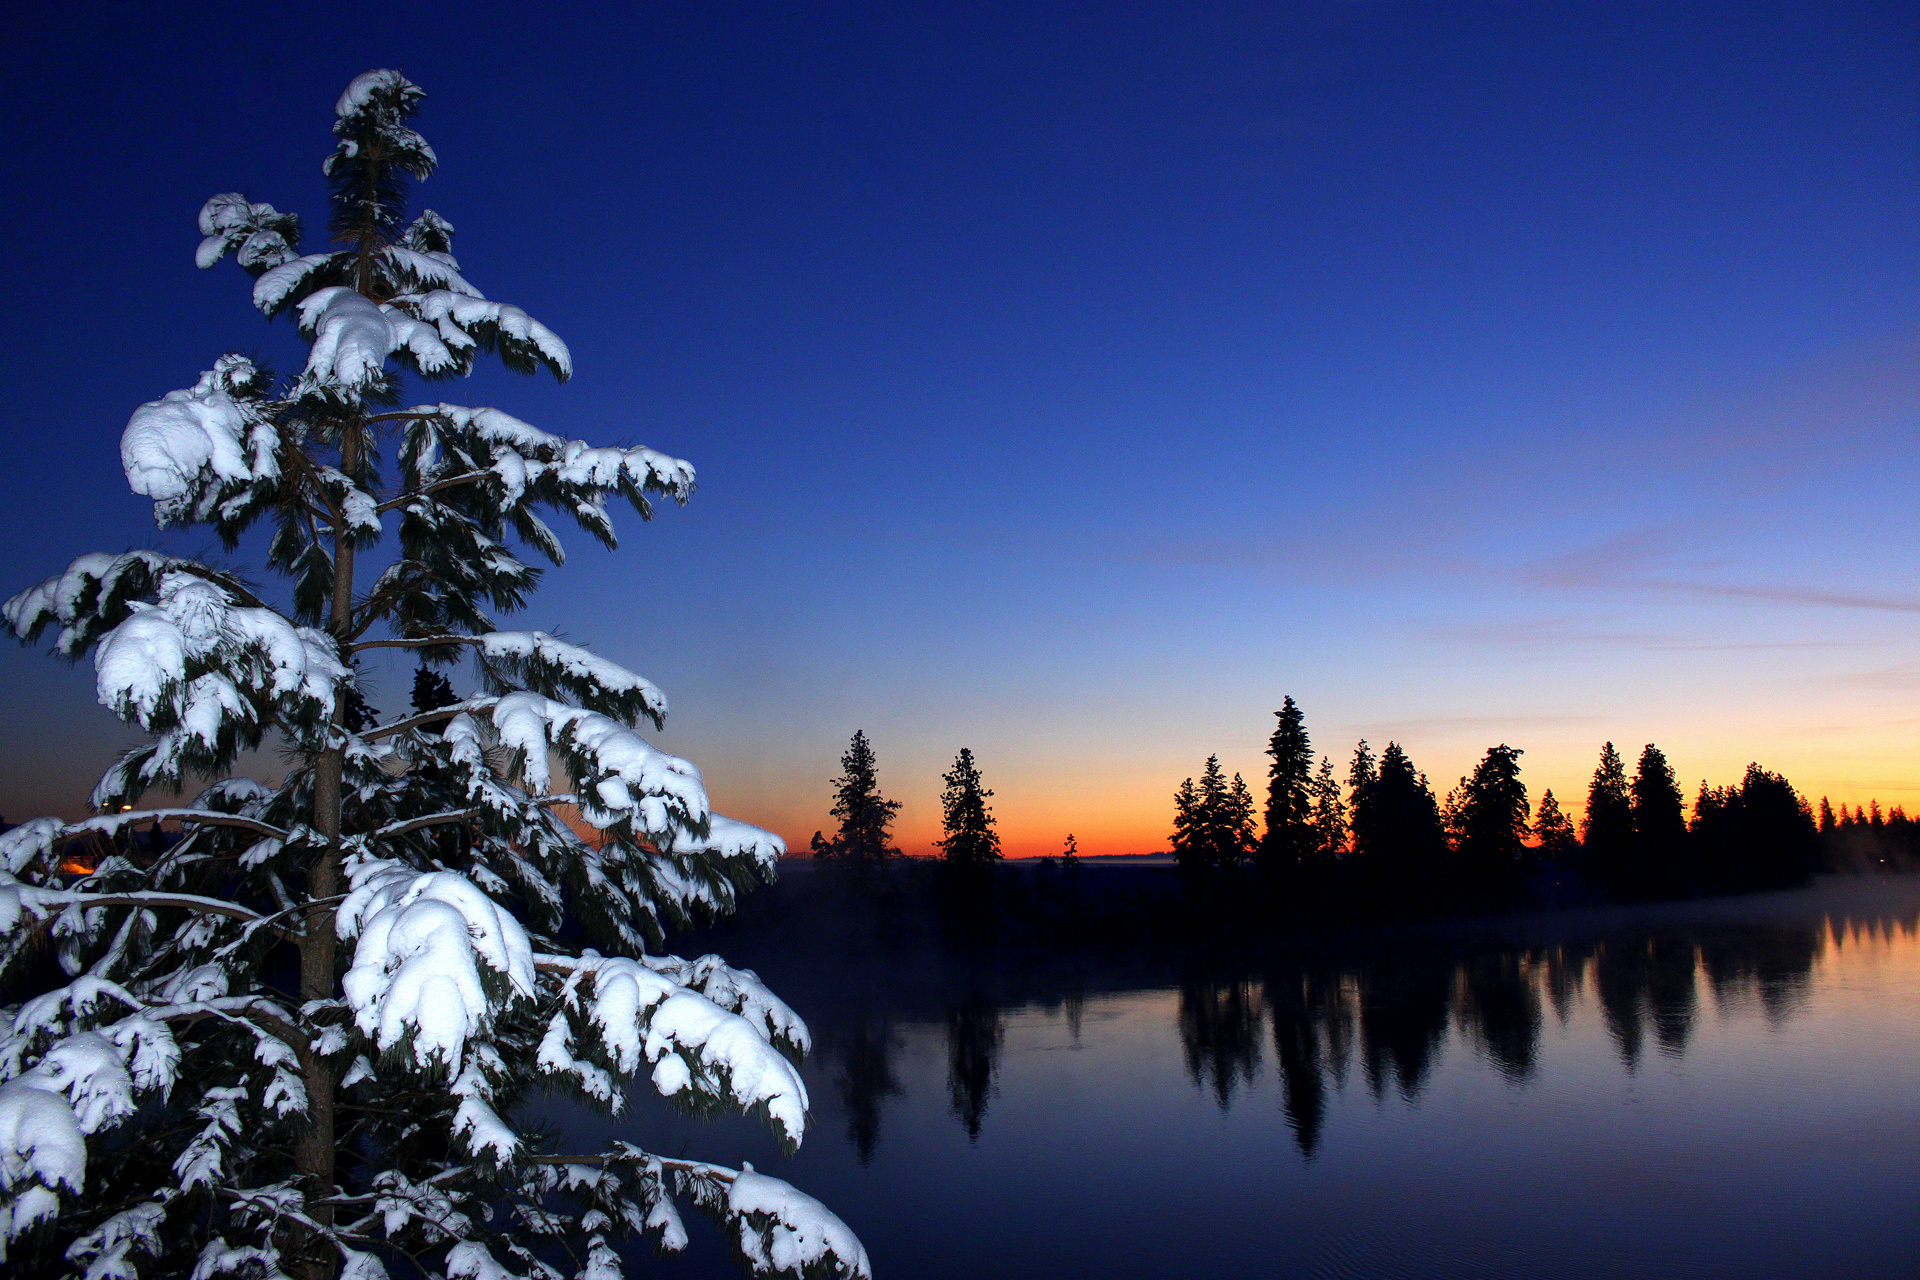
(1715, 1089)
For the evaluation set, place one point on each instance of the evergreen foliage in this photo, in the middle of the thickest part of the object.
(1606, 830)
(1329, 815)
(431, 690)
(969, 839)
(293, 1041)
(865, 815)
(1213, 822)
(1659, 829)
(1759, 835)
(1492, 824)
(1553, 831)
(1397, 834)
(1291, 838)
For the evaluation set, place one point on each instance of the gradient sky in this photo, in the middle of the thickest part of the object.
(1070, 382)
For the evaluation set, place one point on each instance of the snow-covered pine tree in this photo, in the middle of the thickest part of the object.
(294, 1041)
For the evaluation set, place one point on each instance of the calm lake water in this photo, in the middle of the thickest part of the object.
(1716, 1089)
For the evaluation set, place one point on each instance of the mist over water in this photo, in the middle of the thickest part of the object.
(1726, 1088)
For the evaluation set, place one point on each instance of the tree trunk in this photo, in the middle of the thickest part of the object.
(314, 1147)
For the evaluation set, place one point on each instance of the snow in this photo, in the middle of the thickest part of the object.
(352, 338)
(272, 289)
(40, 1137)
(454, 313)
(105, 1249)
(737, 990)
(229, 221)
(360, 92)
(782, 1228)
(170, 443)
(691, 1037)
(140, 666)
(469, 1260)
(415, 973)
(733, 838)
(74, 598)
(623, 777)
(575, 666)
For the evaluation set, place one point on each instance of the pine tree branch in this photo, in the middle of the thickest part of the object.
(427, 717)
(401, 500)
(404, 416)
(109, 824)
(185, 901)
(420, 642)
(431, 820)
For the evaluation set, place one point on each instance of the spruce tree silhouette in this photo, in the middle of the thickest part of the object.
(865, 815)
(1290, 839)
(1493, 828)
(1606, 832)
(1329, 817)
(1397, 837)
(1660, 847)
(970, 840)
(1553, 831)
(1212, 822)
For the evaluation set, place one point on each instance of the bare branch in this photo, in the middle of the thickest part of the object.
(422, 642)
(401, 500)
(431, 820)
(427, 717)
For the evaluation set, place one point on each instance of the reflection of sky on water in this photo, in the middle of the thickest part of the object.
(1700, 1097)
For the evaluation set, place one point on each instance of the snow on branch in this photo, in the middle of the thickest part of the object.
(777, 1228)
(623, 782)
(558, 669)
(202, 452)
(436, 960)
(619, 1013)
(259, 236)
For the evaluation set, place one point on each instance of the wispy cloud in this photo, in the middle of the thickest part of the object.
(1440, 725)
(1641, 560)
(1577, 633)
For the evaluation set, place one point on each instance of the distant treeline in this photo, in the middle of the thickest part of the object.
(1385, 843)
(1386, 838)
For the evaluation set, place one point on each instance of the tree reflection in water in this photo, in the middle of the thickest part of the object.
(1390, 1008)
(1220, 1030)
(974, 1037)
(864, 1051)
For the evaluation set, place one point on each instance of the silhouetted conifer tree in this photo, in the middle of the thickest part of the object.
(1553, 830)
(1759, 835)
(1329, 814)
(1290, 839)
(1397, 835)
(1492, 822)
(1361, 773)
(1826, 817)
(1659, 865)
(865, 815)
(1606, 833)
(970, 839)
(1213, 822)
(431, 690)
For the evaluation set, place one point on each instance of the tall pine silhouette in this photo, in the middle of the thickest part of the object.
(1291, 839)
(970, 839)
(1660, 853)
(1606, 831)
(865, 815)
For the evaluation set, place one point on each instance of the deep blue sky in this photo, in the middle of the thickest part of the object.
(1071, 381)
